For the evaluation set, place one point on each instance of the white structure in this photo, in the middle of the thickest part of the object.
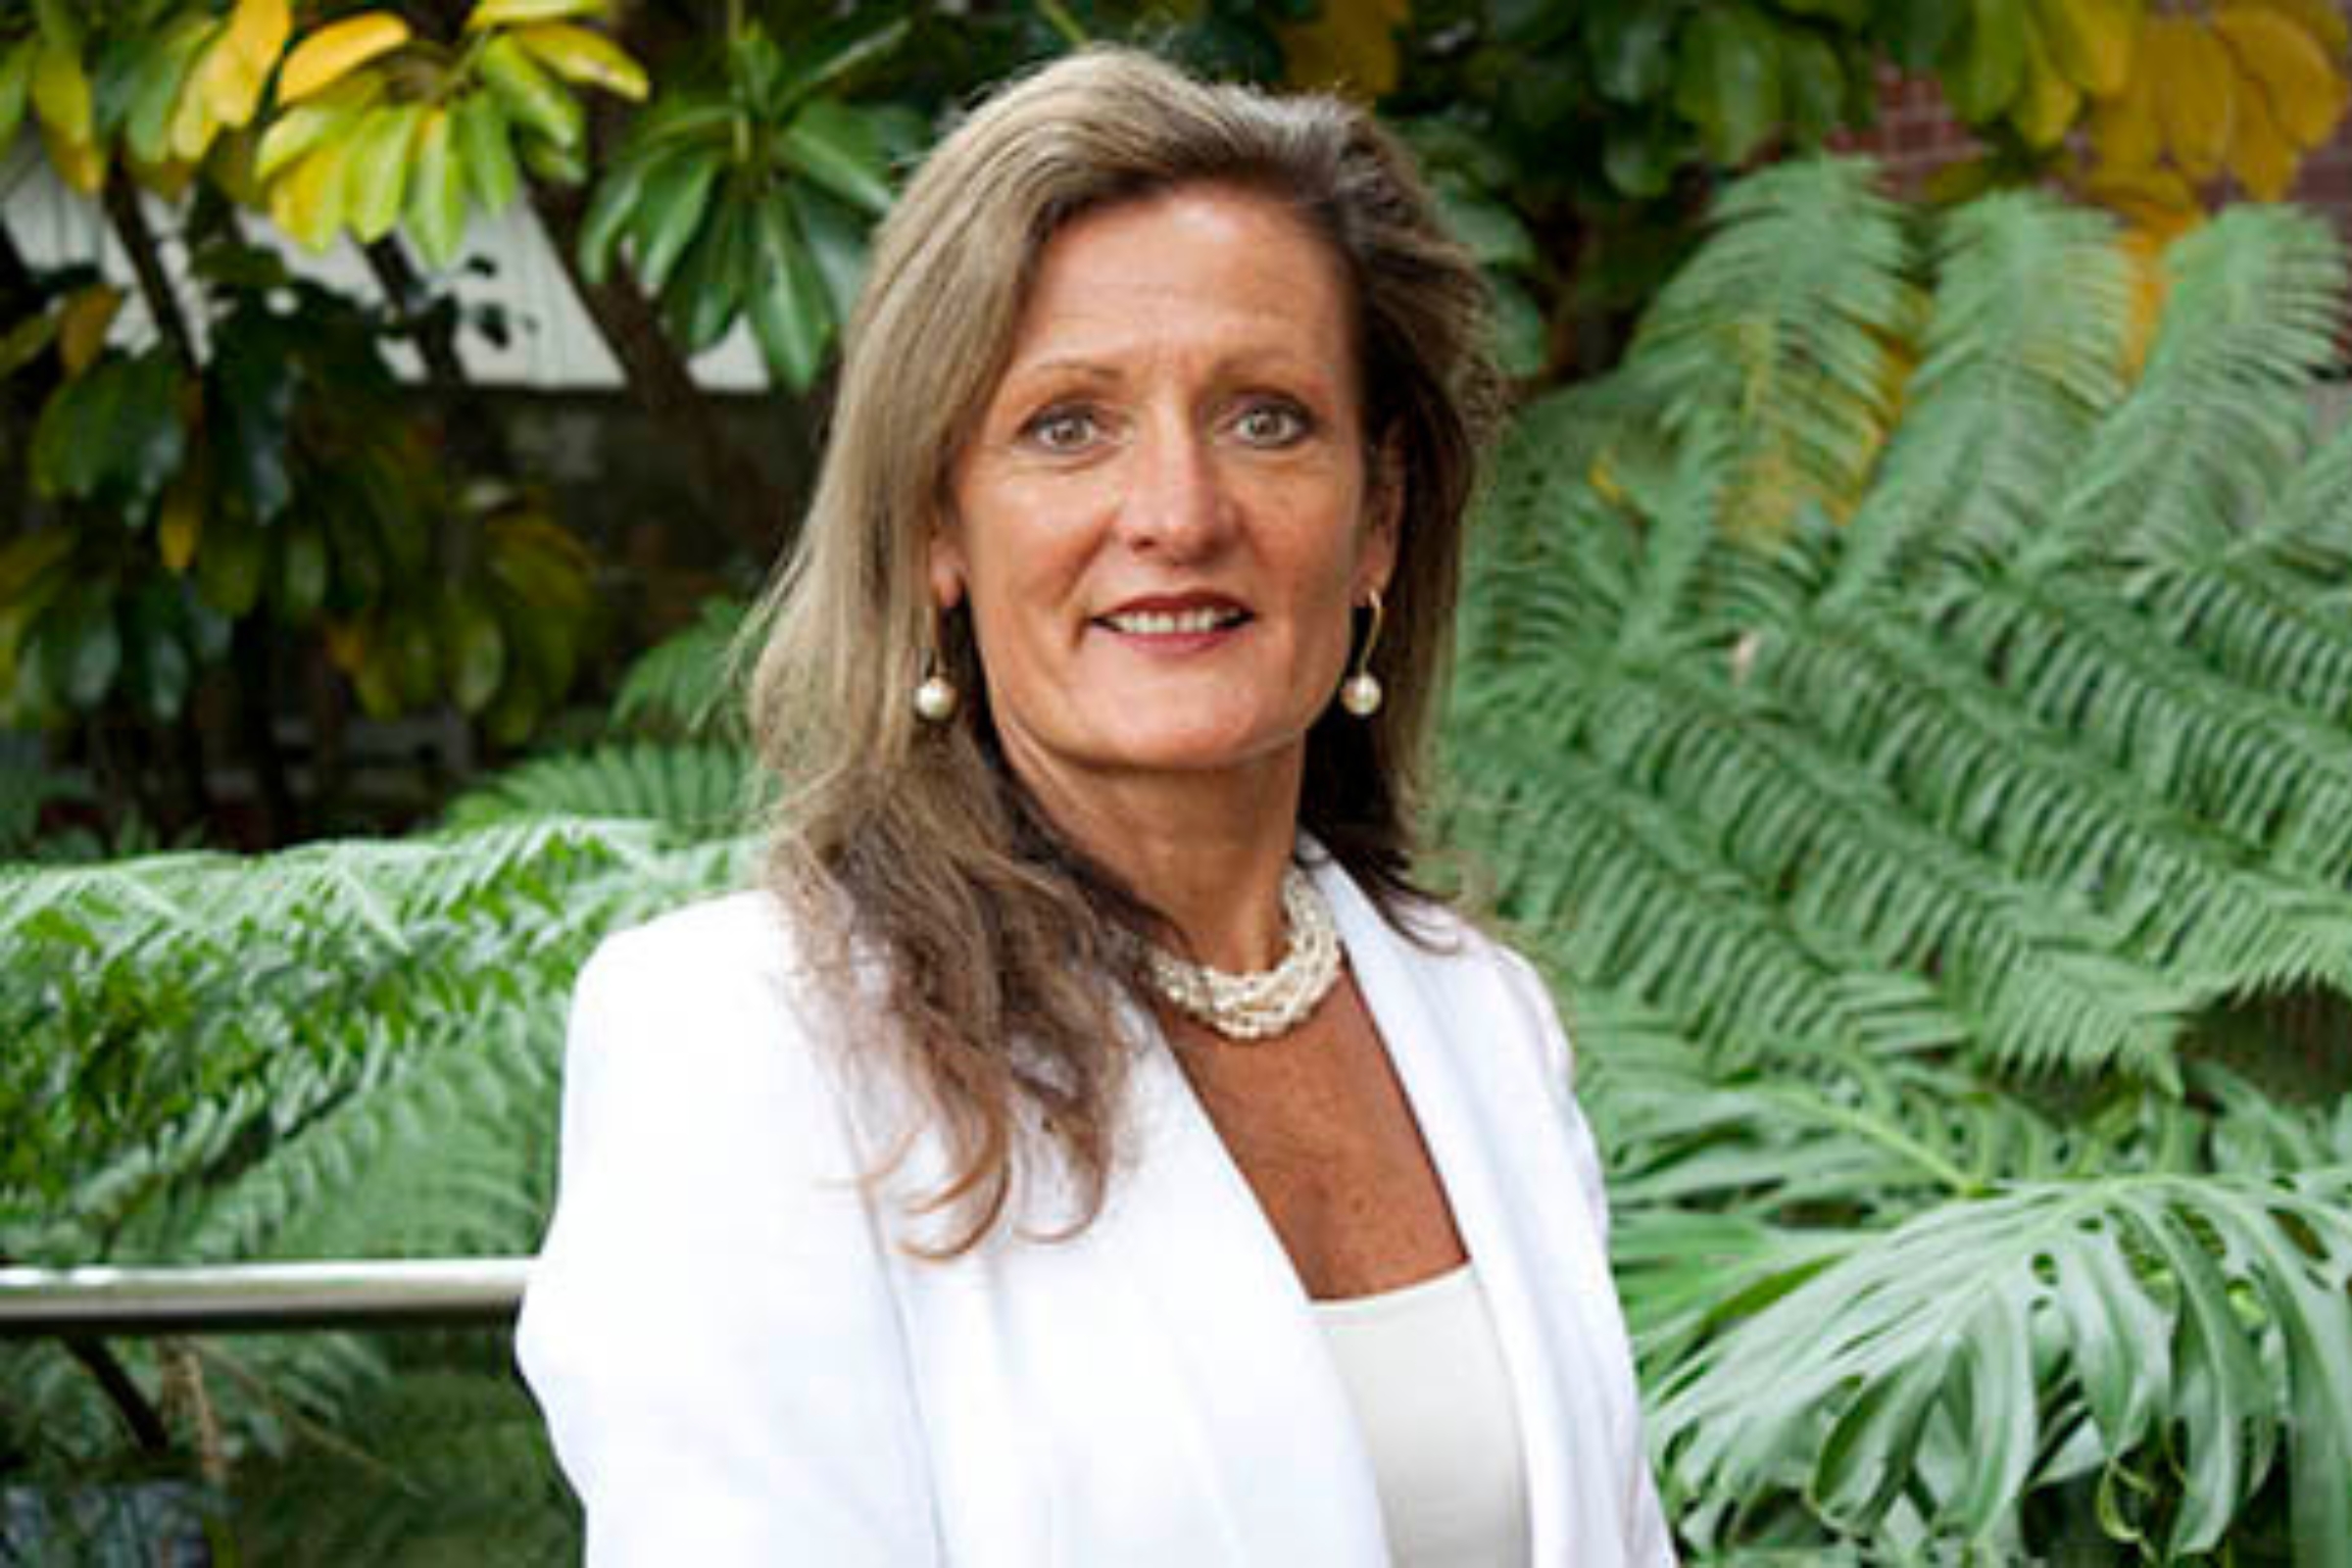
(552, 344)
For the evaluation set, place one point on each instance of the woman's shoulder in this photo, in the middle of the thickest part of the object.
(745, 932)
(734, 966)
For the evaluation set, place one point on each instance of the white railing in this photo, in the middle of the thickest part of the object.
(231, 1297)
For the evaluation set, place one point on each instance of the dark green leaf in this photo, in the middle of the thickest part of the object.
(619, 191)
(711, 280)
(475, 652)
(1845, 12)
(669, 213)
(836, 240)
(233, 264)
(81, 648)
(230, 564)
(1728, 81)
(1985, 65)
(252, 386)
(1916, 32)
(1812, 85)
(160, 670)
(790, 311)
(115, 430)
(302, 572)
(1632, 43)
(23, 343)
(1493, 232)
(835, 146)
(1642, 154)
(835, 52)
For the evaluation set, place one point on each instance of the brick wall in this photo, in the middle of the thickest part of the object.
(1916, 135)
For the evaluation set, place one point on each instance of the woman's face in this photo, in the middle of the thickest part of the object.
(1167, 511)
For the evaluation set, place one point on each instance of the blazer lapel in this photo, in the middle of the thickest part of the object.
(1245, 1392)
(1464, 1049)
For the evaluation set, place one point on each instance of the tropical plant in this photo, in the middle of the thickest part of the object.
(343, 1050)
(1907, 706)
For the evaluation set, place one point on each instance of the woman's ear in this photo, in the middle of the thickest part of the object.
(1383, 517)
(946, 567)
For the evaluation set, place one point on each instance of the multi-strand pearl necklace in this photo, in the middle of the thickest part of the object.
(1272, 1002)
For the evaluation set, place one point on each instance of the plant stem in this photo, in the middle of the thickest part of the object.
(137, 1411)
(130, 222)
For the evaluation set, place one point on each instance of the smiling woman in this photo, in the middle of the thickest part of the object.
(1089, 1146)
(1166, 509)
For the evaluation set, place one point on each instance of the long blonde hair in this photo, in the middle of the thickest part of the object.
(1004, 950)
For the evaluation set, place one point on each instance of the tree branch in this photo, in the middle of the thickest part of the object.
(129, 221)
(753, 510)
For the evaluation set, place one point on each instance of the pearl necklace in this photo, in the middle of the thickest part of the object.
(1272, 1002)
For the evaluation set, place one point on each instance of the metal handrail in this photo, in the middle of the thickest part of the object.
(231, 1297)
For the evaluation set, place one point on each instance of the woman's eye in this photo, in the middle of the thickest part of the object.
(1062, 431)
(1270, 424)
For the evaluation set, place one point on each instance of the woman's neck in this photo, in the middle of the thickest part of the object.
(1205, 850)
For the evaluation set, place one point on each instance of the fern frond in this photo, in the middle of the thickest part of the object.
(697, 790)
(689, 686)
(2023, 355)
(1788, 321)
(2080, 661)
(2223, 409)
(1958, 751)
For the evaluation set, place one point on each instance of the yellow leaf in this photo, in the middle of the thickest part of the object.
(2324, 19)
(512, 13)
(2196, 91)
(2156, 200)
(2090, 43)
(2124, 134)
(193, 123)
(308, 203)
(256, 31)
(82, 325)
(2261, 158)
(1351, 47)
(327, 113)
(327, 55)
(2045, 108)
(2291, 72)
(82, 164)
(234, 69)
(182, 523)
(60, 93)
(579, 55)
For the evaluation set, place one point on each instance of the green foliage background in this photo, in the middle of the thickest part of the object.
(1905, 704)
(1897, 873)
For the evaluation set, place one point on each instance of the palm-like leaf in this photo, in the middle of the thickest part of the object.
(2164, 1332)
(2020, 752)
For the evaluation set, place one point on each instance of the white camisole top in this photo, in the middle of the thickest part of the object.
(1425, 1374)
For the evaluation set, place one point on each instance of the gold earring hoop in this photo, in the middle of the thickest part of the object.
(936, 697)
(1360, 693)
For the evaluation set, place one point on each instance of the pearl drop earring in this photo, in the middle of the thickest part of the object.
(1360, 693)
(936, 698)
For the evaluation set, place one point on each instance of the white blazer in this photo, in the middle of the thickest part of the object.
(740, 1367)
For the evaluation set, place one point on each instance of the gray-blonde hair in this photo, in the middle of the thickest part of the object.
(996, 935)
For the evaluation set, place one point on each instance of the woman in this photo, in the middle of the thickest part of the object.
(1089, 1148)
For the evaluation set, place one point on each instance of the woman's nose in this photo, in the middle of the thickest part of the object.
(1175, 501)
